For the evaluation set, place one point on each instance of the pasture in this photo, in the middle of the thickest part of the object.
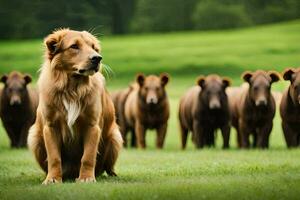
(211, 173)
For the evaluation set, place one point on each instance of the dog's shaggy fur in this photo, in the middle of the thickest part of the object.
(75, 133)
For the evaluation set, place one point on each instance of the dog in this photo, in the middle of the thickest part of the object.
(204, 109)
(75, 133)
(18, 107)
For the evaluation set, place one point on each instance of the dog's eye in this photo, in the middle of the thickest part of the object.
(93, 46)
(74, 46)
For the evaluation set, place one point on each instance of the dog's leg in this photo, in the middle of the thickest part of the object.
(88, 160)
(112, 149)
(53, 145)
(36, 144)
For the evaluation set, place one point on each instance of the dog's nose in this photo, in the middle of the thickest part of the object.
(96, 59)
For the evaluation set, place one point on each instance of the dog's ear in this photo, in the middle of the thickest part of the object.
(226, 82)
(201, 81)
(140, 79)
(27, 78)
(4, 78)
(164, 78)
(247, 76)
(288, 74)
(53, 42)
(275, 76)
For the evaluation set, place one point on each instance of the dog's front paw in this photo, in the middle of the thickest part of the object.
(51, 180)
(86, 180)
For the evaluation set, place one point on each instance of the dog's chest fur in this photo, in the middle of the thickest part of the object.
(73, 109)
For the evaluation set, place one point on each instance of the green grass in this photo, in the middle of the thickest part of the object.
(172, 173)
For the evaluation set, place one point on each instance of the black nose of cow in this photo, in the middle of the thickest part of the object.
(96, 59)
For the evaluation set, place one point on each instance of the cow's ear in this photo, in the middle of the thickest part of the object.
(288, 74)
(247, 76)
(140, 79)
(226, 82)
(164, 78)
(201, 81)
(275, 76)
(27, 78)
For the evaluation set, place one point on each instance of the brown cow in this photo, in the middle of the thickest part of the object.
(290, 108)
(147, 107)
(254, 109)
(203, 110)
(18, 107)
(119, 98)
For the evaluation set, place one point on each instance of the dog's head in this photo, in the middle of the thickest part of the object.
(73, 52)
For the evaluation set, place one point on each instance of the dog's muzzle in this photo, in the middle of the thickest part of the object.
(90, 69)
(93, 67)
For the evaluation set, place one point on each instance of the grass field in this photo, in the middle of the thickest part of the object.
(172, 173)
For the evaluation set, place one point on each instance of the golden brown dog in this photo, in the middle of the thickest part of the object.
(75, 133)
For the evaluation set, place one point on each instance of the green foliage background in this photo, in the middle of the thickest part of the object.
(36, 18)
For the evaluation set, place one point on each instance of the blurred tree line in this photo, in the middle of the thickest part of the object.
(36, 18)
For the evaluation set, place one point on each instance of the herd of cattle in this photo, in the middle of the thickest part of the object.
(209, 105)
